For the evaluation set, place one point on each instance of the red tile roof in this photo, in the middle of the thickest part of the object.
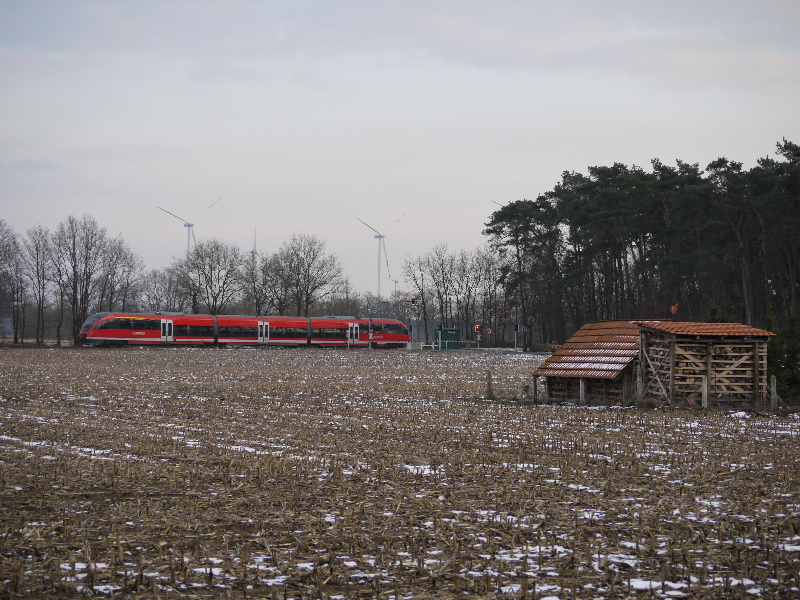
(603, 350)
(705, 329)
(600, 350)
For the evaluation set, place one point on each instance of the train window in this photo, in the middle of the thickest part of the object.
(329, 333)
(288, 332)
(109, 324)
(194, 330)
(92, 320)
(229, 331)
(395, 328)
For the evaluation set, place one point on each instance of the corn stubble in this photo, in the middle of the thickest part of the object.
(331, 474)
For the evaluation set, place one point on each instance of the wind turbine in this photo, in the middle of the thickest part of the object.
(189, 227)
(380, 237)
(395, 281)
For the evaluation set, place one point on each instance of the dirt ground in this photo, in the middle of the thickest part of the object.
(266, 473)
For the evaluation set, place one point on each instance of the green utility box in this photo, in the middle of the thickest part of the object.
(450, 337)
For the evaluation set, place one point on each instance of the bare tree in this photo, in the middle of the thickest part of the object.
(256, 282)
(210, 274)
(314, 274)
(78, 248)
(13, 290)
(36, 256)
(345, 301)
(414, 270)
(466, 285)
(7, 255)
(460, 289)
(160, 292)
(120, 271)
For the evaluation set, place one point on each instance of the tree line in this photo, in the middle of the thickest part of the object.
(720, 244)
(619, 242)
(51, 281)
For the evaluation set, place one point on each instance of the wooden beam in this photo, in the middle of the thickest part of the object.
(756, 375)
(671, 397)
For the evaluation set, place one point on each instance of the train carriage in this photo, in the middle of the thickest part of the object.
(118, 329)
(284, 331)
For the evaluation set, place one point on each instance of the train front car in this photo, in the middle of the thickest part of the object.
(388, 333)
(87, 327)
(123, 329)
(119, 329)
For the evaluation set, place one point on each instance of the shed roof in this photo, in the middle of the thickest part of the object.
(705, 329)
(600, 350)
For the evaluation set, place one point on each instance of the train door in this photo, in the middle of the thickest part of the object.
(352, 334)
(263, 332)
(166, 330)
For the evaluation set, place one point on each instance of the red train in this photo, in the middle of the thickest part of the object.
(120, 329)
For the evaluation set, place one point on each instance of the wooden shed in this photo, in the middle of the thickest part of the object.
(703, 362)
(595, 366)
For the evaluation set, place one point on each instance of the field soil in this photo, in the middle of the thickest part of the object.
(267, 473)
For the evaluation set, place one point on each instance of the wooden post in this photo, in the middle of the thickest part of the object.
(756, 376)
(582, 391)
(626, 383)
(773, 398)
(671, 397)
(709, 365)
(641, 367)
(535, 390)
(705, 390)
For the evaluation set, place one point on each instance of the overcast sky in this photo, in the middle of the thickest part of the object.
(302, 116)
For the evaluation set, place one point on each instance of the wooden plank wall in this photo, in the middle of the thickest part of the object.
(598, 391)
(731, 369)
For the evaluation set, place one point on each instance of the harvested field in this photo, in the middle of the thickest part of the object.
(177, 473)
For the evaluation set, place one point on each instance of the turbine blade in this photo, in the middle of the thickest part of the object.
(169, 213)
(194, 239)
(386, 257)
(373, 229)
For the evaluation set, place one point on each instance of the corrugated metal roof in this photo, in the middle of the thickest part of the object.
(706, 329)
(600, 350)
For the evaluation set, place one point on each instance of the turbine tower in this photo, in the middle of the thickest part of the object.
(380, 237)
